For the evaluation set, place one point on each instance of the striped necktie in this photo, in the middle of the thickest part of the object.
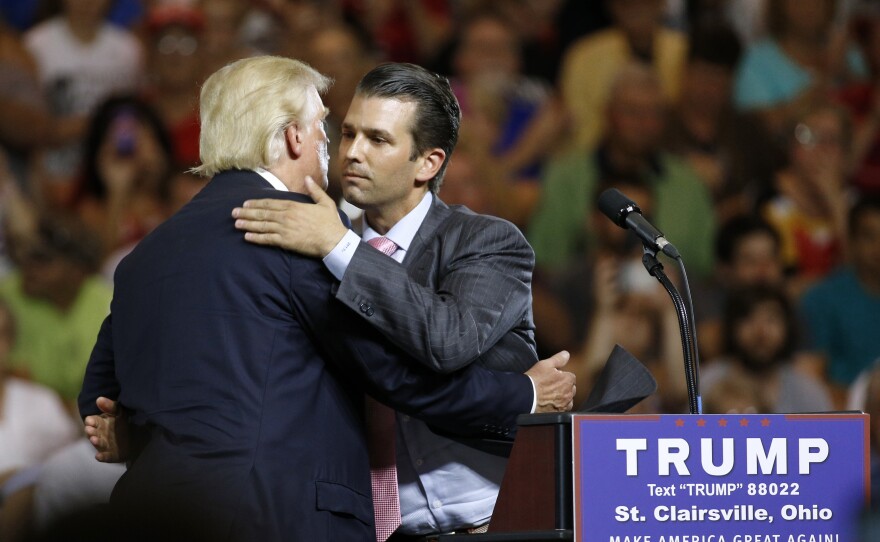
(381, 439)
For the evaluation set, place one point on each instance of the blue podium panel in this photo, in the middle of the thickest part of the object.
(720, 478)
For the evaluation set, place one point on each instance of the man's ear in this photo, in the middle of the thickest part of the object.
(429, 164)
(293, 136)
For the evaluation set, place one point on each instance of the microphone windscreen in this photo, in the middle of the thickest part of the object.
(616, 206)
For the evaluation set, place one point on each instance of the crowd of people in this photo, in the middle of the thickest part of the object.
(748, 131)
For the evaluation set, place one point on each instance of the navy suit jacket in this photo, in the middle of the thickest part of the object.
(248, 377)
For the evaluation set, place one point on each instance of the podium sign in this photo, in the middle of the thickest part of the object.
(720, 478)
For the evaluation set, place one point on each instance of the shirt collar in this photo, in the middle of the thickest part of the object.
(273, 180)
(405, 230)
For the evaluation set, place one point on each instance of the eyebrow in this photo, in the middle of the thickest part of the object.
(370, 132)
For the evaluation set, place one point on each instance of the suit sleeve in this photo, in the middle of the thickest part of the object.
(100, 377)
(483, 292)
(474, 401)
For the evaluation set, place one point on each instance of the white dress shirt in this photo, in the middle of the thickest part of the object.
(273, 180)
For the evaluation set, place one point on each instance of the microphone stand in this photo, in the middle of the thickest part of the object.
(685, 324)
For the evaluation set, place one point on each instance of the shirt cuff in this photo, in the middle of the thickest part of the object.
(534, 396)
(338, 259)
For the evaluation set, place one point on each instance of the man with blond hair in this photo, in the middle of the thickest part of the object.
(241, 378)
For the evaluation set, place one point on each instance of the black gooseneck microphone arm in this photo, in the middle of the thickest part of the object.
(626, 214)
(685, 326)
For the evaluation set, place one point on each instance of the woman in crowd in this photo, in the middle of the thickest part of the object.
(127, 165)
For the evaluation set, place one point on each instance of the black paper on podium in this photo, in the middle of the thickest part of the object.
(622, 384)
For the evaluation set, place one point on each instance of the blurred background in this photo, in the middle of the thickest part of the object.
(748, 131)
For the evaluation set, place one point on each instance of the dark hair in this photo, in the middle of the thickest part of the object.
(865, 205)
(47, 9)
(740, 305)
(777, 23)
(99, 129)
(68, 238)
(733, 231)
(716, 44)
(489, 12)
(437, 116)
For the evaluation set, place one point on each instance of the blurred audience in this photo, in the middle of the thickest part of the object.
(58, 303)
(842, 311)
(68, 484)
(544, 29)
(805, 55)
(747, 253)
(297, 22)
(812, 200)
(127, 163)
(18, 218)
(341, 53)
(222, 39)
(514, 120)
(590, 65)
(81, 59)
(174, 57)
(404, 30)
(607, 297)
(863, 100)
(760, 333)
(735, 394)
(631, 146)
(23, 14)
(33, 421)
(729, 150)
(466, 180)
(26, 122)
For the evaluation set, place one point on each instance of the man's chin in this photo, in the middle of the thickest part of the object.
(352, 194)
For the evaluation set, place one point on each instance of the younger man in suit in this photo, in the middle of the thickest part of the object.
(455, 290)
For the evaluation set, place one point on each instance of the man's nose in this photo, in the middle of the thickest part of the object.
(352, 150)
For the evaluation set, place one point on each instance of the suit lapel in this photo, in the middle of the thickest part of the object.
(438, 213)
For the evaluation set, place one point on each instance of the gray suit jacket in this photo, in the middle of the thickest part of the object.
(462, 294)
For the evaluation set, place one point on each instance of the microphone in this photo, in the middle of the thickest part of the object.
(625, 213)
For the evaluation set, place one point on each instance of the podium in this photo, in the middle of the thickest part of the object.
(591, 477)
(535, 499)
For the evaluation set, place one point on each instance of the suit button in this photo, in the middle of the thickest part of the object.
(369, 311)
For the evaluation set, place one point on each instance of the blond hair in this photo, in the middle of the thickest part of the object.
(245, 108)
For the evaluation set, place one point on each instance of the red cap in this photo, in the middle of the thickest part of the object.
(168, 14)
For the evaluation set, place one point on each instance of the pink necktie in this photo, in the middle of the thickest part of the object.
(384, 245)
(380, 435)
(383, 468)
